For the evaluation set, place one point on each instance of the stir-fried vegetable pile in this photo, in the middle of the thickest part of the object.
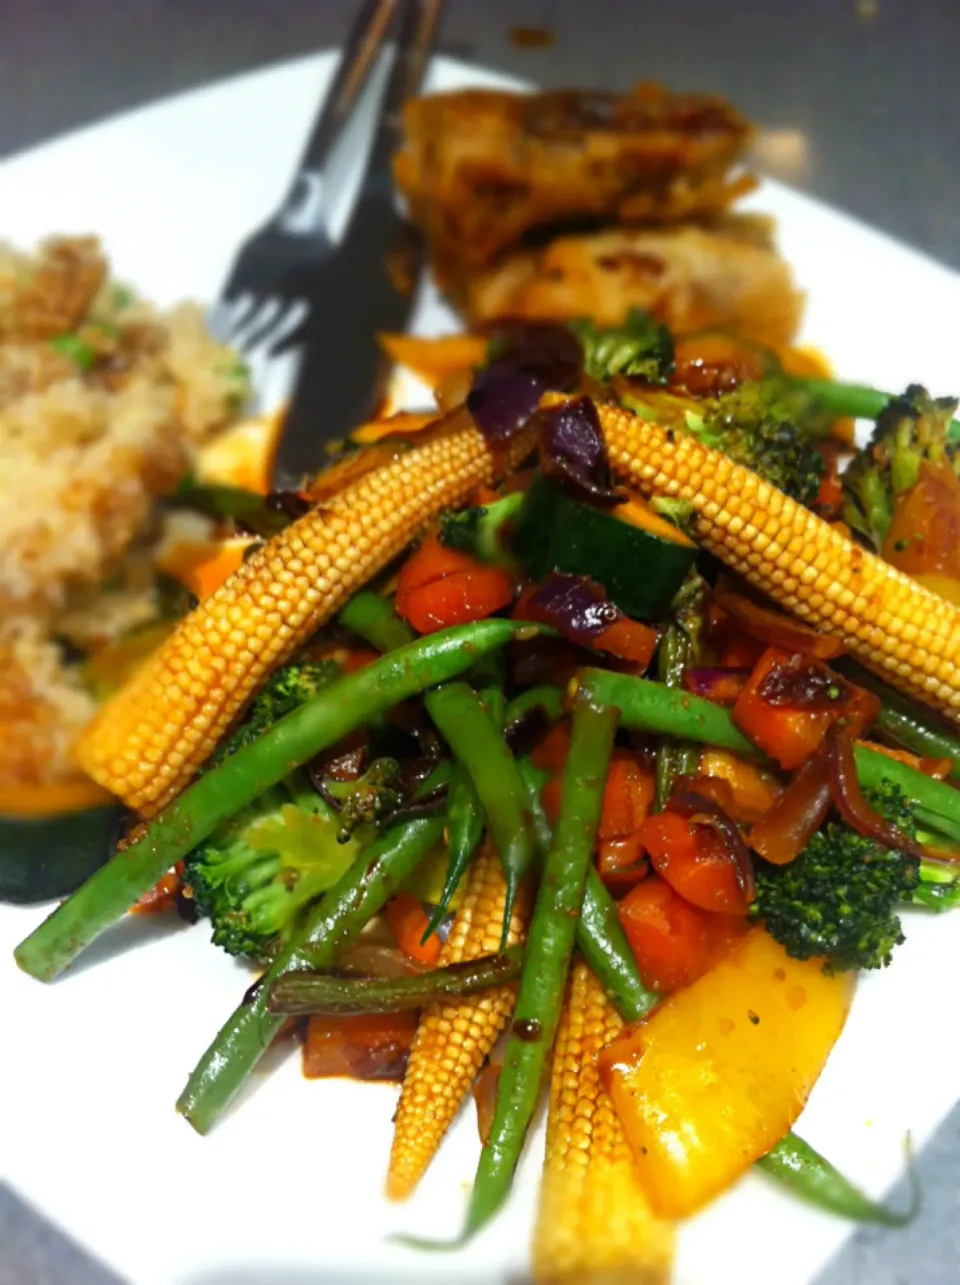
(557, 770)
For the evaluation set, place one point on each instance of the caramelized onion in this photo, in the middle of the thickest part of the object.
(800, 683)
(849, 800)
(772, 627)
(785, 829)
(573, 454)
(575, 605)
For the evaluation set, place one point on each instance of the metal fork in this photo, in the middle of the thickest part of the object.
(263, 305)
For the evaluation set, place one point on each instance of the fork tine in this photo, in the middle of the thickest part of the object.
(291, 329)
(241, 312)
(260, 332)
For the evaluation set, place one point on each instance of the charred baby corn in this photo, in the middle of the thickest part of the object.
(453, 1039)
(900, 629)
(149, 740)
(594, 1222)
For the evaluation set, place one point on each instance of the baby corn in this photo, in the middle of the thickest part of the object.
(453, 1039)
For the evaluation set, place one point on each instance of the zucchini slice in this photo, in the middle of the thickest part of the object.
(639, 558)
(43, 857)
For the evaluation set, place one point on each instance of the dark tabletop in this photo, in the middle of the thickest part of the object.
(859, 101)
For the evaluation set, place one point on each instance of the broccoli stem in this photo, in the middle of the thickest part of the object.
(856, 401)
(335, 921)
(939, 887)
(480, 531)
(647, 706)
(301, 992)
(373, 619)
(220, 793)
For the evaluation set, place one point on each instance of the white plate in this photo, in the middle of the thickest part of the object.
(288, 1190)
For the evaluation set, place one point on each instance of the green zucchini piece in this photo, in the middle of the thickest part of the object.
(42, 858)
(640, 569)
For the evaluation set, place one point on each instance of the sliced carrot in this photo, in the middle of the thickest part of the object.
(694, 862)
(741, 651)
(432, 359)
(786, 733)
(551, 754)
(408, 922)
(630, 641)
(628, 797)
(162, 896)
(672, 941)
(372, 1046)
(550, 797)
(440, 587)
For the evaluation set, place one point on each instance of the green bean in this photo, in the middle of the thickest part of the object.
(336, 920)
(546, 698)
(301, 992)
(373, 619)
(534, 779)
(648, 706)
(600, 934)
(549, 946)
(604, 946)
(464, 831)
(481, 750)
(220, 793)
(813, 1178)
(904, 721)
(935, 804)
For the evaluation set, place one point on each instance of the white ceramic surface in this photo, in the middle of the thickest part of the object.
(288, 1189)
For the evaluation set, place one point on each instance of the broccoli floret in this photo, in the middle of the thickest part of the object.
(910, 430)
(283, 692)
(838, 898)
(752, 425)
(370, 799)
(254, 877)
(641, 348)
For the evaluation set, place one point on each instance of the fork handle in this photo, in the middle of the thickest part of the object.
(360, 51)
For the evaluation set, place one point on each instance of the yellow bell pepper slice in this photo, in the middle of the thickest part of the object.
(719, 1073)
